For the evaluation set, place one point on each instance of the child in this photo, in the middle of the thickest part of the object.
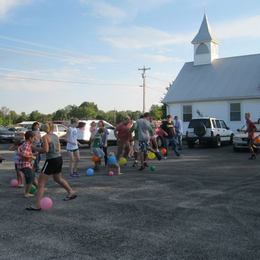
(93, 130)
(96, 148)
(17, 143)
(104, 134)
(113, 165)
(25, 162)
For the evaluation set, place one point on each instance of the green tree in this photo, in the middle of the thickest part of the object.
(22, 117)
(35, 116)
(156, 112)
(60, 114)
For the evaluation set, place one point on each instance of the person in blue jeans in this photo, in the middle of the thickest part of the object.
(168, 127)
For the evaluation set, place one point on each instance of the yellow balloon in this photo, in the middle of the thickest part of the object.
(151, 155)
(122, 161)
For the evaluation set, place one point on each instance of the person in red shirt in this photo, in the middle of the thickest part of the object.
(251, 129)
(25, 162)
(123, 135)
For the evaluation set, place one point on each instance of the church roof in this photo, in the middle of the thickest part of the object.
(205, 33)
(223, 79)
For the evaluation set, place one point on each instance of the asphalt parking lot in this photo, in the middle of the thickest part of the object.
(204, 205)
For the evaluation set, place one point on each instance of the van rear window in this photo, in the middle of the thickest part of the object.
(197, 122)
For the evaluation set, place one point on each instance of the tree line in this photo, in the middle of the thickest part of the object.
(86, 110)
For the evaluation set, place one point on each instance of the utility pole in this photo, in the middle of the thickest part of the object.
(144, 69)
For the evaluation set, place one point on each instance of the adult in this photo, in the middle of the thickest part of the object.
(168, 127)
(179, 131)
(73, 148)
(250, 130)
(144, 132)
(52, 166)
(37, 143)
(123, 135)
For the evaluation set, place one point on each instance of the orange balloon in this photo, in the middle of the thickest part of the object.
(95, 158)
(257, 140)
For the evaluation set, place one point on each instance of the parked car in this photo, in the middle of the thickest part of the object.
(240, 140)
(84, 133)
(208, 130)
(60, 130)
(6, 135)
(27, 124)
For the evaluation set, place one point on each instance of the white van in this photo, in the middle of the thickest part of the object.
(84, 133)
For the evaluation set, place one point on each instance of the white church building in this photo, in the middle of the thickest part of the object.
(224, 88)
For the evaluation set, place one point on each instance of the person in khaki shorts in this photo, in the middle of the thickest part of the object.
(123, 135)
(251, 129)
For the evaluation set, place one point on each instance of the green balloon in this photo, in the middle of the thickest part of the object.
(33, 189)
(152, 168)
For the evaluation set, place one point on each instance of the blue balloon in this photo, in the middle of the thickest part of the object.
(112, 160)
(90, 172)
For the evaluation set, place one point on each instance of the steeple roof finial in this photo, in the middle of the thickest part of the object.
(205, 34)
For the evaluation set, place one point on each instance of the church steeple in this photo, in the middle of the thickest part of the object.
(205, 44)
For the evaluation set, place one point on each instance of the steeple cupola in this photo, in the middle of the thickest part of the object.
(205, 44)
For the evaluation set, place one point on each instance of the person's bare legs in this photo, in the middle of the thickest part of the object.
(71, 162)
(63, 183)
(20, 178)
(27, 190)
(43, 178)
(76, 158)
(120, 147)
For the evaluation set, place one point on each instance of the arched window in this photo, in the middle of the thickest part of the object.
(202, 49)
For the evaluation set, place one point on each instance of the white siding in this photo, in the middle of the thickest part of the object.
(218, 109)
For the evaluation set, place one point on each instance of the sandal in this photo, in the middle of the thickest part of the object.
(31, 208)
(74, 196)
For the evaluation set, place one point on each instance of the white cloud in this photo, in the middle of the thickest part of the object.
(105, 10)
(8, 5)
(136, 37)
(241, 28)
(161, 58)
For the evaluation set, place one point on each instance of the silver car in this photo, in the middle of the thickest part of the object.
(240, 139)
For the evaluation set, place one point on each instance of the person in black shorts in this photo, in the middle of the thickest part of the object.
(52, 166)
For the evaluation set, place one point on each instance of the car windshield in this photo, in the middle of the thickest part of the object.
(197, 122)
(3, 128)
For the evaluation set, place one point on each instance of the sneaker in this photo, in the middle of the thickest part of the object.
(158, 156)
(252, 157)
(29, 195)
(165, 157)
(135, 163)
(20, 186)
(76, 174)
(145, 164)
(141, 168)
(72, 175)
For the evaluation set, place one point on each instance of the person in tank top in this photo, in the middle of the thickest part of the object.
(52, 166)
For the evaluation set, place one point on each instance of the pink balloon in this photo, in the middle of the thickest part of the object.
(46, 203)
(110, 173)
(14, 183)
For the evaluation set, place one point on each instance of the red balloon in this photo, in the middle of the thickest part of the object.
(164, 151)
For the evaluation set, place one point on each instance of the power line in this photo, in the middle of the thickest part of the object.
(11, 77)
(158, 79)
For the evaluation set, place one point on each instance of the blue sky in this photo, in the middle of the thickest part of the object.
(55, 53)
